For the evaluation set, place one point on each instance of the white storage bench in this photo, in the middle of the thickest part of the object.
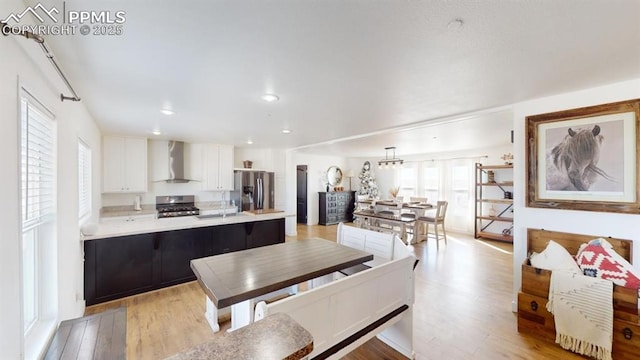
(344, 313)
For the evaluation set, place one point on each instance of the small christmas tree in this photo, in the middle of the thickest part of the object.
(368, 184)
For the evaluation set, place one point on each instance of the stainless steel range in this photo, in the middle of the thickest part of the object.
(174, 206)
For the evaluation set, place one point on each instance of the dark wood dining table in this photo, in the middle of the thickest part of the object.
(237, 279)
(413, 206)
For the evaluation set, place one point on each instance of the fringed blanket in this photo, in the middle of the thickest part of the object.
(583, 311)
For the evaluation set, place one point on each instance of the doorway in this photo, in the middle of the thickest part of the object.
(301, 193)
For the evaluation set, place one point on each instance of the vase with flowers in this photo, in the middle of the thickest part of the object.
(394, 191)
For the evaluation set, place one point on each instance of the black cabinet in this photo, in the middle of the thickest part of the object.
(264, 233)
(128, 265)
(119, 267)
(336, 206)
(226, 238)
(177, 249)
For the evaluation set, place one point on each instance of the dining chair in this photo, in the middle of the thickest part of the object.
(410, 213)
(420, 200)
(435, 220)
(362, 202)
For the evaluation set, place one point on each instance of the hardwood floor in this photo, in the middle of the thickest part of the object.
(462, 308)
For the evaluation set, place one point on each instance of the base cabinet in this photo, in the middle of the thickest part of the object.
(264, 233)
(177, 249)
(128, 265)
(118, 267)
(225, 239)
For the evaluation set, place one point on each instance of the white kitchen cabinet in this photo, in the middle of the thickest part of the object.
(124, 162)
(217, 167)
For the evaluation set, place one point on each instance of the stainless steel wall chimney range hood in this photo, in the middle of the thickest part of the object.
(176, 163)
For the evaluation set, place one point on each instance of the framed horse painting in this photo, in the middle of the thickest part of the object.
(585, 159)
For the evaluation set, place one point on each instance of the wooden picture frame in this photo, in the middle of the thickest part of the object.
(585, 158)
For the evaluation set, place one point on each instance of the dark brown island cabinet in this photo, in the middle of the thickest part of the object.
(127, 265)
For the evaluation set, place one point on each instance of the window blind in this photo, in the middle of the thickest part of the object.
(84, 180)
(37, 163)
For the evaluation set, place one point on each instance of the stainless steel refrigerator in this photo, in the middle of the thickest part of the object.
(253, 190)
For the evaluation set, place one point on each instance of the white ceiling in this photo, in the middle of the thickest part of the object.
(343, 68)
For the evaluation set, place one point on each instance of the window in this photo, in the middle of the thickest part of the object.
(84, 181)
(38, 219)
(459, 194)
(408, 182)
(431, 182)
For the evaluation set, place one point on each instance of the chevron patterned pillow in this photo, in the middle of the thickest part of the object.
(598, 259)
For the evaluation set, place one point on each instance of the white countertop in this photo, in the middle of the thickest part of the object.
(107, 230)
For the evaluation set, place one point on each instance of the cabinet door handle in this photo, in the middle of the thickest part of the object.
(534, 305)
(628, 333)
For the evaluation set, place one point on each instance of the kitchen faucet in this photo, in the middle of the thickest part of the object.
(224, 205)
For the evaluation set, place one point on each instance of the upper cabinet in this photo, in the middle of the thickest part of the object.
(216, 166)
(124, 162)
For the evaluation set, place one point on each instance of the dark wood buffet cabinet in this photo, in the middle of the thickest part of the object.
(127, 265)
(336, 206)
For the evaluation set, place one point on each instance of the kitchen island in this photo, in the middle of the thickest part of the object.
(123, 259)
(111, 230)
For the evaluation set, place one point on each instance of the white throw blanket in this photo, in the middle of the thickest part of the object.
(583, 311)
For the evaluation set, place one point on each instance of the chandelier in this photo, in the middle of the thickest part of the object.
(389, 162)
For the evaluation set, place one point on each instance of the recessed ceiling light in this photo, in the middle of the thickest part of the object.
(286, 131)
(167, 112)
(270, 97)
(156, 132)
(249, 142)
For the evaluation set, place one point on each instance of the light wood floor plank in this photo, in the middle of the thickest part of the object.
(462, 309)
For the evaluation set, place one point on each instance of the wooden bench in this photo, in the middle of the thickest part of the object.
(99, 336)
(343, 314)
(384, 222)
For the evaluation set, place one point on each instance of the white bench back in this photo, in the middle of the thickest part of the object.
(384, 246)
(334, 311)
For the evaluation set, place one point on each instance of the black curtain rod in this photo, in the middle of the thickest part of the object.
(40, 40)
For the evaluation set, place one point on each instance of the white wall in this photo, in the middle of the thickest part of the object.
(16, 63)
(22, 58)
(583, 222)
(73, 122)
(317, 166)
